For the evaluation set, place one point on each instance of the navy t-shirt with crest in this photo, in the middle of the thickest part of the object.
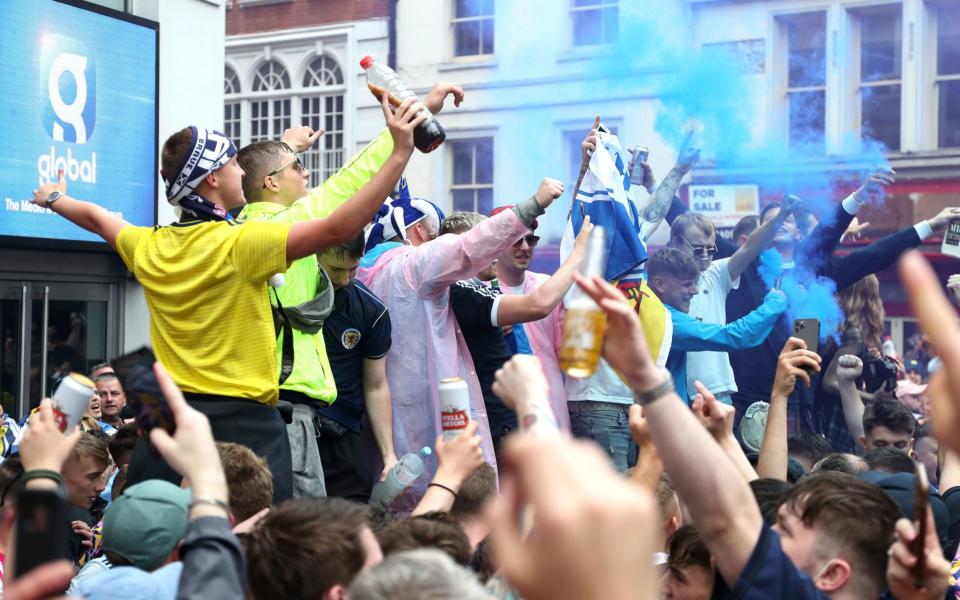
(358, 328)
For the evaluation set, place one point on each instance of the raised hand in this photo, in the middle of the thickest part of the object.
(438, 94)
(688, 154)
(875, 184)
(301, 137)
(938, 320)
(945, 217)
(549, 190)
(717, 417)
(459, 457)
(624, 345)
(585, 542)
(589, 144)
(855, 230)
(40, 194)
(519, 381)
(403, 121)
(900, 566)
(849, 367)
(953, 283)
(793, 364)
(43, 445)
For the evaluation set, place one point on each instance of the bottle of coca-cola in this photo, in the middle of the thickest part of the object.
(429, 134)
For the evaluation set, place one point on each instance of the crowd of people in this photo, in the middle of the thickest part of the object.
(301, 336)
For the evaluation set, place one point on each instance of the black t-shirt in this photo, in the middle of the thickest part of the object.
(358, 328)
(474, 305)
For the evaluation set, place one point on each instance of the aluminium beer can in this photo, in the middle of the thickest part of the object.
(640, 155)
(454, 407)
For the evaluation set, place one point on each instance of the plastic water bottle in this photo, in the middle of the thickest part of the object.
(400, 477)
(380, 78)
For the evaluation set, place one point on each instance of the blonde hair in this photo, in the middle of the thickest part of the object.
(863, 308)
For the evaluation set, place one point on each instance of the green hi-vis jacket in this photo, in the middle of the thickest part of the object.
(311, 373)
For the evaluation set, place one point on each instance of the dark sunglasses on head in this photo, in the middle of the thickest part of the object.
(532, 241)
(295, 162)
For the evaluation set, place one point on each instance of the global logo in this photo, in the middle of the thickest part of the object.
(71, 82)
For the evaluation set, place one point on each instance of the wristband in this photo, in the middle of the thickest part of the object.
(441, 486)
(42, 474)
(210, 502)
(655, 393)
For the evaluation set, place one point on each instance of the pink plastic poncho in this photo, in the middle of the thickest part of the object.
(414, 282)
(545, 337)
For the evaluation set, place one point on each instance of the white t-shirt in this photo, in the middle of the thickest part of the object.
(712, 369)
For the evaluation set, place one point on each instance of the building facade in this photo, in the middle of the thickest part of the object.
(294, 62)
(839, 72)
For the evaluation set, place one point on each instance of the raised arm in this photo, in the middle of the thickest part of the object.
(746, 332)
(440, 263)
(759, 240)
(849, 368)
(718, 419)
(659, 204)
(846, 270)
(316, 235)
(823, 240)
(792, 365)
(514, 308)
(356, 172)
(718, 498)
(91, 217)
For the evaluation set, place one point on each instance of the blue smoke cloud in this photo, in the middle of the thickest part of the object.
(721, 91)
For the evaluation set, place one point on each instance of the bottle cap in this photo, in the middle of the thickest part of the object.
(366, 61)
(426, 451)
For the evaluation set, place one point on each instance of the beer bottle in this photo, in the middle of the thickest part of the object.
(584, 321)
(429, 134)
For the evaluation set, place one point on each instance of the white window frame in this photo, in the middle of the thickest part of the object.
(474, 186)
(855, 95)
(326, 157)
(231, 102)
(454, 20)
(938, 79)
(780, 74)
(604, 4)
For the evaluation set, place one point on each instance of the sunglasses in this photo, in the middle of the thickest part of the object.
(297, 165)
(701, 251)
(532, 241)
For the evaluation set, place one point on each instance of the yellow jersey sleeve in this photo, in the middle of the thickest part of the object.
(127, 241)
(260, 249)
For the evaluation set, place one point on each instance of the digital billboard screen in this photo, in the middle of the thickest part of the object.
(80, 94)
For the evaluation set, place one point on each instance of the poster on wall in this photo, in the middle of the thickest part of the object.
(80, 94)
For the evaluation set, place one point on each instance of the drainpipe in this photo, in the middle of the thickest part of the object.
(392, 35)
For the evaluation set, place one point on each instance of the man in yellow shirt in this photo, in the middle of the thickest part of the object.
(205, 281)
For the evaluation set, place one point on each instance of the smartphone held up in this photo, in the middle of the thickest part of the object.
(135, 371)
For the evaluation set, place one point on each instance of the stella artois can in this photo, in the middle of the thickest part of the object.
(454, 407)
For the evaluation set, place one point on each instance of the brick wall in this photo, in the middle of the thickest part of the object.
(300, 13)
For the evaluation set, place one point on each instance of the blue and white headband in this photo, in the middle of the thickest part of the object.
(210, 151)
(397, 214)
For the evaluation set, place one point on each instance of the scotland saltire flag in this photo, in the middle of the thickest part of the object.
(604, 195)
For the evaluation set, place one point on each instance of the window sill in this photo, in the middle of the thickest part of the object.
(484, 61)
(587, 53)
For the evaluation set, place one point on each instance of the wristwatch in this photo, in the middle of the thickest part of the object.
(53, 197)
(656, 392)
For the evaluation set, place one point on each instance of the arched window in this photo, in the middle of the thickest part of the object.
(231, 106)
(269, 117)
(322, 106)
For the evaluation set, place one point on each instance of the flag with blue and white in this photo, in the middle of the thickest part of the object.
(604, 195)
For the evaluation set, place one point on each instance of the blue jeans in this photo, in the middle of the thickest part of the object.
(607, 424)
